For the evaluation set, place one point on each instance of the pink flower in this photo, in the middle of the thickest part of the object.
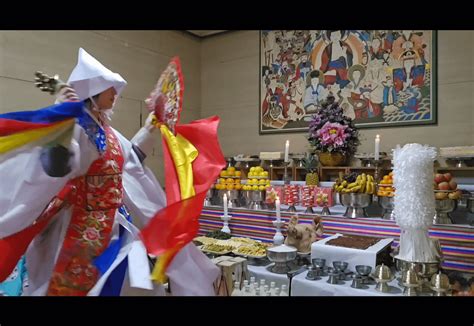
(91, 234)
(332, 134)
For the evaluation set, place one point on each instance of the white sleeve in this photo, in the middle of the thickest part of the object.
(144, 140)
(25, 189)
(143, 194)
(192, 273)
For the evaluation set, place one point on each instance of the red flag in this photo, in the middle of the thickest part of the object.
(178, 223)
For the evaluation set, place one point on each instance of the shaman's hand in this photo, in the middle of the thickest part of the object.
(67, 94)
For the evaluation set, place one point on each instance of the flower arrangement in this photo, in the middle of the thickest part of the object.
(331, 131)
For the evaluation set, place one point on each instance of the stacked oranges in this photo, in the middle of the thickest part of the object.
(229, 179)
(385, 188)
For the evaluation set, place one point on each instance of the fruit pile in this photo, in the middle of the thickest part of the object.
(229, 179)
(307, 196)
(291, 195)
(385, 188)
(257, 179)
(355, 183)
(445, 187)
(257, 172)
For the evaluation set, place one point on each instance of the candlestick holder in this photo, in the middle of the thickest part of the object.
(226, 218)
(286, 177)
(278, 239)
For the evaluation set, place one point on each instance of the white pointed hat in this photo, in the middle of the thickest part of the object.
(90, 77)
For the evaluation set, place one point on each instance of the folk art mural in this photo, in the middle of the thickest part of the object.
(381, 78)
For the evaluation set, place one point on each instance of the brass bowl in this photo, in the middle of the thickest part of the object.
(424, 270)
(440, 282)
(383, 273)
(331, 159)
(410, 278)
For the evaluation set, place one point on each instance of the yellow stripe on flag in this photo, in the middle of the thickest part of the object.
(11, 142)
(183, 154)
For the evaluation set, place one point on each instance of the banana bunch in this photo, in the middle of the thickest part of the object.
(364, 183)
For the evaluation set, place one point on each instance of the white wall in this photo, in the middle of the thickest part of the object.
(221, 77)
(139, 56)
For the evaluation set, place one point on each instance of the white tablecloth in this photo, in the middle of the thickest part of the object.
(262, 272)
(352, 256)
(300, 286)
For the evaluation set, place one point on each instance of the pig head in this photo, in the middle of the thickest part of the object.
(301, 236)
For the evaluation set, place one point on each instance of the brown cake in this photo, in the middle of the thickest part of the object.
(354, 241)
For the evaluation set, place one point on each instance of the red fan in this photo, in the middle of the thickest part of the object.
(166, 100)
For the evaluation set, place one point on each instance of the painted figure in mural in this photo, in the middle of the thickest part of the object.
(314, 93)
(410, 74)
(389, 93)
(266, 75)
(376, 50)
(336, 59)
(351, 92)
(304, 66)
(273, 96)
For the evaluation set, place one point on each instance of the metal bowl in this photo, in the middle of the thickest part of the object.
(443, 208)
(231, 195)
(363, 270)
(277, 256)
(319, 262)
(340, 265)
(355, 203)
(246, 198)
(387, 204)
(470, 205)
(210, 193)
(446, 205)
(257, 195)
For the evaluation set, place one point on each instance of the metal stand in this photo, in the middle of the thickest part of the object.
(325, 211)
(377, 164)
(291, 208)
(286, 177)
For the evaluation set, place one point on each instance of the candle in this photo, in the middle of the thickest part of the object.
(277, 206)
(377, 147)
(225, 204)
(287, 149)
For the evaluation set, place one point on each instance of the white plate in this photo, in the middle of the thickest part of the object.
(235, 252)
(214, 252)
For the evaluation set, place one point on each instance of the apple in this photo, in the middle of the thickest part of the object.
(454, 195)
(439, 178)
(443, 186)
(448, 177)
(435, 186)
(441, 195)
(453, 185)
